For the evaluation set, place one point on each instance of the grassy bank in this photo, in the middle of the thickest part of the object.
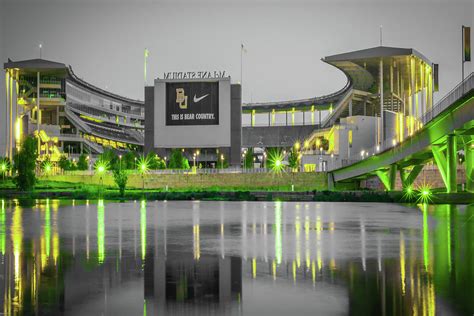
(77, 191)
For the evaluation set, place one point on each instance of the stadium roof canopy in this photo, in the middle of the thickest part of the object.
(362, 69)
(363, 66)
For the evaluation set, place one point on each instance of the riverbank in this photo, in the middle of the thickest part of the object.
(67, 190)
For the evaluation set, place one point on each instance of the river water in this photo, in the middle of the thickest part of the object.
(235, 258)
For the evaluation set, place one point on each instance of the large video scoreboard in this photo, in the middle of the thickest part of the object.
(192, 113)
(192, 103)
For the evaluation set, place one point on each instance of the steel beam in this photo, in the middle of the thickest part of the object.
(440, 160)
(469, 163)
(388, 177)
(383, 176)
(393, 176)
(409, 178)
(452, 159)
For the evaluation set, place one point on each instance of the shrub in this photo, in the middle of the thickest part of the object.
(82, 163)
(25, 164)
(155, 162)
(293, 159)
(128, 160)
(177, 160)
(121, 178)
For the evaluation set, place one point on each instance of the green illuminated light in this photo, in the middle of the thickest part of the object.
(101, 166)
(143, 165)
(408, 193)
(425, 195)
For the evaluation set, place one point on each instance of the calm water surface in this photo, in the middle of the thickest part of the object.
(235, 258)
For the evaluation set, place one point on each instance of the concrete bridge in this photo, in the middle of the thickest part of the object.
(447, 129)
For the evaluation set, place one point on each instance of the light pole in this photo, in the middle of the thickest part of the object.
(120, 163)
(222, 161)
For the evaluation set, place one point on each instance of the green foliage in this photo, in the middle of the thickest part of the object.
(128, 160)
(66, 164)
(177, 160)
(121, 178)
(63, 162)
(25, 164)
(293, 159)
(82, 163)
(186, 163)
(110, 157)
(248, 159)
(155, 162)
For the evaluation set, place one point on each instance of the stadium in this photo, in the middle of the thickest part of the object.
(388, 90)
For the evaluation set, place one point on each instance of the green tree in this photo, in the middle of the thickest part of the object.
(128, 160)
(176, 160)
(64, 163)
(186, 163)
(82, 163)
(25, 164)
(120, 178)
(248, 159)
(111, 157)
(293, 159)
(155, 162)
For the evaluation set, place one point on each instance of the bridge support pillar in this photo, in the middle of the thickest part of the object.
(331, 182)
(452, 159)
(469, 163)
(388, 177)
(393, 176)
(409, 178)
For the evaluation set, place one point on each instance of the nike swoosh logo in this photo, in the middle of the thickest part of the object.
(196, 100)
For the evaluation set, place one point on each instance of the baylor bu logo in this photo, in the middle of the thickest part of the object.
(181, 99)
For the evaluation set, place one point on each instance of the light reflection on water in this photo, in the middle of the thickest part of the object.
(264, 258)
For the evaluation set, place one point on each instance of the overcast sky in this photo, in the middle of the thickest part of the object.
(104, 40)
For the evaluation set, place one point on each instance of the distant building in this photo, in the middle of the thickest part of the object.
(388, 91)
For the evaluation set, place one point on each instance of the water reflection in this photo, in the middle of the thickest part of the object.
(235, 258)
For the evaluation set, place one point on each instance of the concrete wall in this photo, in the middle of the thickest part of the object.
(245, 181)
(363, 135)
(275, 136)
(235, 124)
